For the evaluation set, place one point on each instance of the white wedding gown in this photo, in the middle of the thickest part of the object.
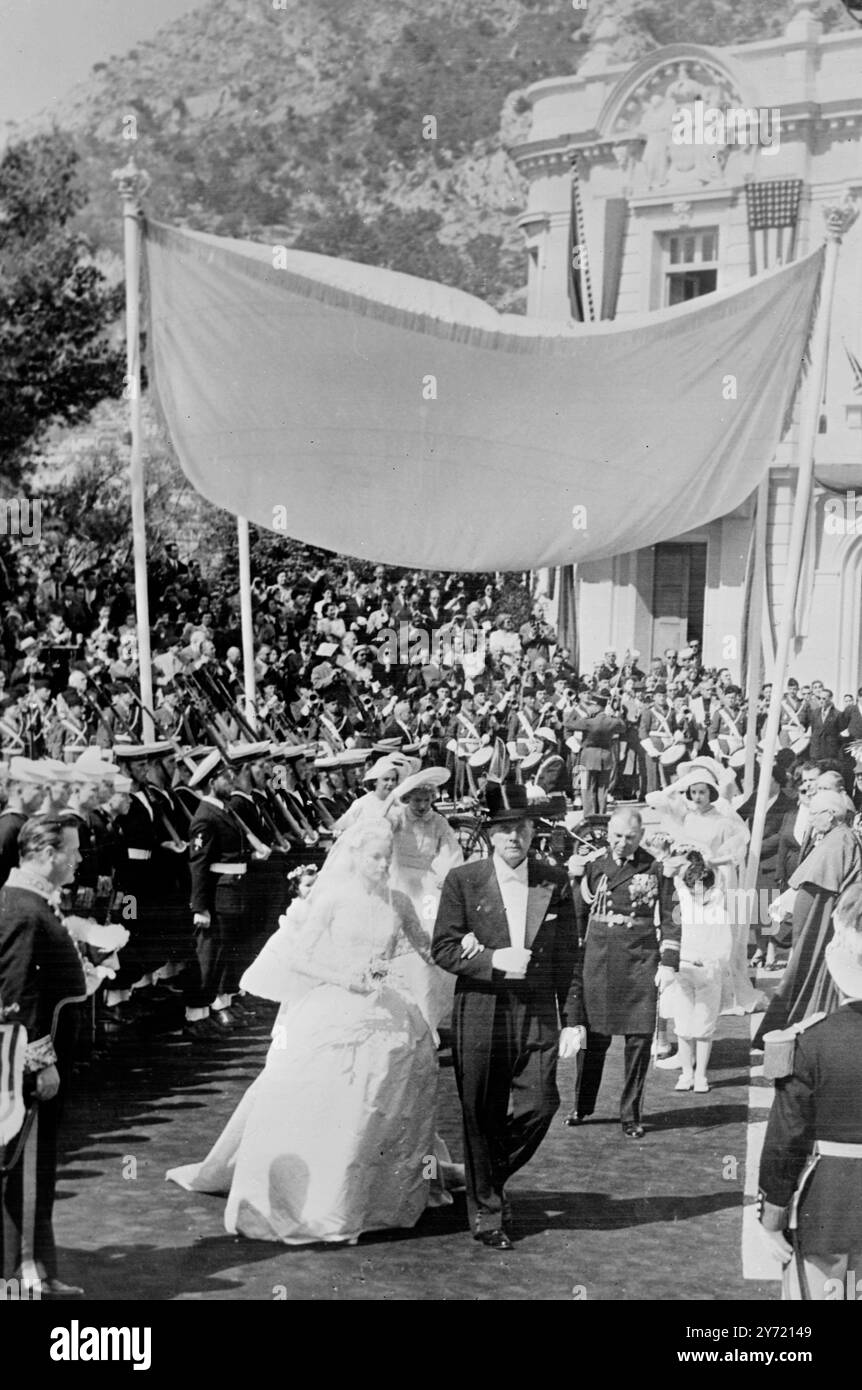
(336, 1136)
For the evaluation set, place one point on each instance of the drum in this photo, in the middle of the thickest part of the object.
(673, 755)
(481, 757)
(737, 758)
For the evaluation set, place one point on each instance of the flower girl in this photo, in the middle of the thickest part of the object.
(693, 1001)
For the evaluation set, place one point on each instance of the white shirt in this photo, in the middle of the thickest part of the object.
(514, 890)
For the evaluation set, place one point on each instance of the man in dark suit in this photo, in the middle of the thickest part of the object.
(510, 999)
(817, 1115)
(41, 973)
(826, 724)
(615, 982)
(602, 733)
(851, 719)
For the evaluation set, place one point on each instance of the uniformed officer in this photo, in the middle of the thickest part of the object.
(811, 1164)
(601, 731)
(617, 974)
(25, 792)
(219, 857)
(266, 888)
(142, 881)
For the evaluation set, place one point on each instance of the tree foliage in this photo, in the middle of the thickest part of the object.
(57, 360)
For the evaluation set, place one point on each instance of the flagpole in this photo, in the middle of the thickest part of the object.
(246, 620)
(839, 219)
(754, 641)
(132, 183)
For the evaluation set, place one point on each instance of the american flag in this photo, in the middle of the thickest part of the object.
(773, 212)
(580, 285)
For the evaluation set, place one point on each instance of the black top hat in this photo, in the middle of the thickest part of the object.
(506, 801)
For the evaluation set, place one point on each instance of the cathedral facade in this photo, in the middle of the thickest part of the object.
(680, 175)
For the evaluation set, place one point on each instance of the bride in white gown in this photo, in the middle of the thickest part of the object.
(334, 1136)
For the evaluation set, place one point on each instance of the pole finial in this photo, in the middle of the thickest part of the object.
(131, 182)
(840, 216)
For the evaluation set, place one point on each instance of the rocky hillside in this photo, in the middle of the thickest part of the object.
(302, 120)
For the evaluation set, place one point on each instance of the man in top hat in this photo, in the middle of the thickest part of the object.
(601, 735)
(510, 1000)
(26, 789)
(811, 1163)
(615, 986)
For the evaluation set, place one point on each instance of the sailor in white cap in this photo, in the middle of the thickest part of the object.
(219, 856)
(24, 795)
(150, 879)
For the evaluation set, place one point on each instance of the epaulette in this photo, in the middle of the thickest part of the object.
(810, 1022)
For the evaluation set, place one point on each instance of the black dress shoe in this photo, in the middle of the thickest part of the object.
(225, 1019)
(633, 1131)
(201, 1030)
(495, 1240)
(572, 1121)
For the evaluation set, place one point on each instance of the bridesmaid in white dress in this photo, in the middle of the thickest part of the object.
(425, 849)
(334, 1136)
(694, 810)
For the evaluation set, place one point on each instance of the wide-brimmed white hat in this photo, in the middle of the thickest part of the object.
(382, 767)
(696, 778)
(427, 777)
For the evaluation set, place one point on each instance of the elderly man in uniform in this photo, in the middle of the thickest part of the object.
(40, 973)
(622, 963)
(811, 1164)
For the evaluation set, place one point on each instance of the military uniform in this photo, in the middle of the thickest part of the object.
(596, 758)
(218, 863)
(11, 823)
(817, 1113)
(40, 971)
(140, 881)
(616, 991)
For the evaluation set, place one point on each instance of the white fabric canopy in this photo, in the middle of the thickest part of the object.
(301, 395)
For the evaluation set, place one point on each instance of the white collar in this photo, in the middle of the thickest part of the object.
(212, 800)
(506, 874)
(34, 883)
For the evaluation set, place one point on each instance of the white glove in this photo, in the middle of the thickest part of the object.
(572, 1040)
(777, 1244)
(513, 960)
(664, 976)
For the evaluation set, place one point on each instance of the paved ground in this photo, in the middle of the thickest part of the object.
(597, 1216)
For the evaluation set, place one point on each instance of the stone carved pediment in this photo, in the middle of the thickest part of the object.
(642, 127)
